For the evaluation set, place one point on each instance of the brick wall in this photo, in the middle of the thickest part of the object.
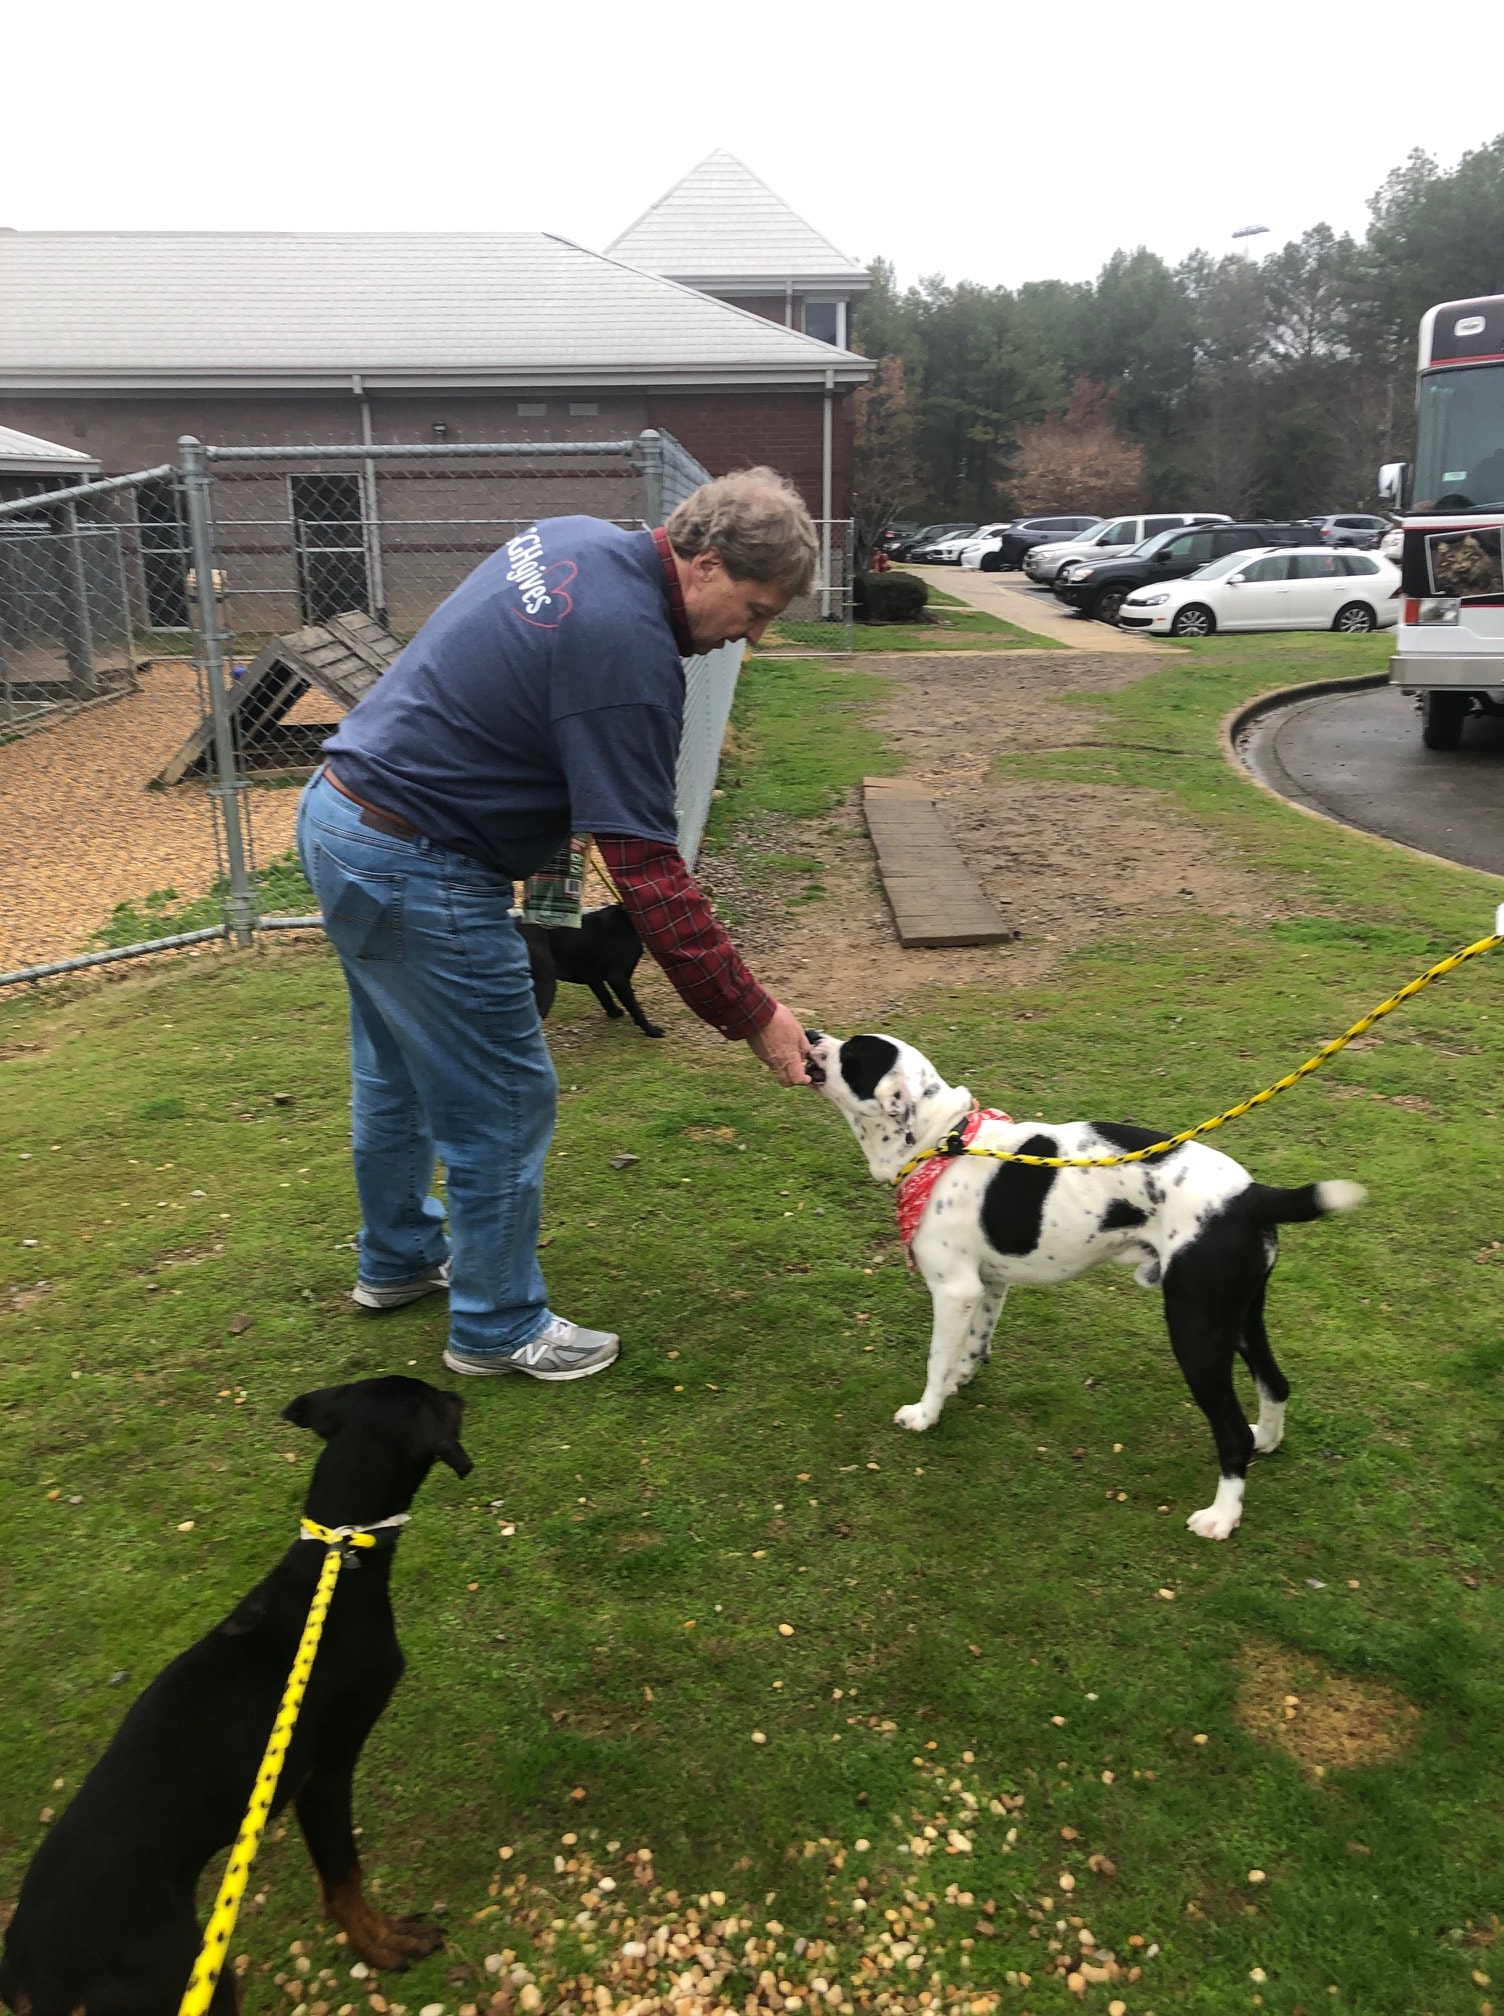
(729, 430)
(725, 430)
(136, 433)
(771, 307)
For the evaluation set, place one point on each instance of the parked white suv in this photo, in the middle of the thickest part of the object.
(948, 552)
(1112, 540)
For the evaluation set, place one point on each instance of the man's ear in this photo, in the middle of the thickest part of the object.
(321, 1410)
(439, 1435)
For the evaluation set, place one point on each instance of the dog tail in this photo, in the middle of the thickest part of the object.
(1268, 1206)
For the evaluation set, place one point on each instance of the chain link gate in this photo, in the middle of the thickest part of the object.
(75, 597)
(290, 577)
(821, 620)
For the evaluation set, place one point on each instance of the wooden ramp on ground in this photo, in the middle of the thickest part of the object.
(343, 658)
(935, 898)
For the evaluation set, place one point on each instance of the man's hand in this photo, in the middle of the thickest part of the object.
(782, 1046)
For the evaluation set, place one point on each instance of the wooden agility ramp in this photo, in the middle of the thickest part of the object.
(935, 898)
(342, 658)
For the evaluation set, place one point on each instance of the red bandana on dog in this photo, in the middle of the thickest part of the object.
(914, 1191)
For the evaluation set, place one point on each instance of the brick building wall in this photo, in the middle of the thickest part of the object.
(723, 429)
(771, 307)
(784, 429)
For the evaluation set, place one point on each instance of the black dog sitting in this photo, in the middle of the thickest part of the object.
(106, 1921)
(601, 955)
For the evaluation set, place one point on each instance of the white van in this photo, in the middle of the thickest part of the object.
(1113, 539)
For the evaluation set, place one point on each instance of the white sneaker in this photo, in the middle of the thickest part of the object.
(561, 1350)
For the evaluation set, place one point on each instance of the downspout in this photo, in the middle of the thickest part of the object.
(371, 513)
(788, 302)
(827, 490)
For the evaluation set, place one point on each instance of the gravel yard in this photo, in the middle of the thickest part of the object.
(1064, 863)
(80, 831)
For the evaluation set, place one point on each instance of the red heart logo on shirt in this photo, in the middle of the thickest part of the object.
(556, 578)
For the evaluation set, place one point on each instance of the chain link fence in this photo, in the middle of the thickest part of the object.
(821, 620)
(81, 578)
(258, 593)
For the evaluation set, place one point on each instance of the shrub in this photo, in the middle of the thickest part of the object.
(894, 597)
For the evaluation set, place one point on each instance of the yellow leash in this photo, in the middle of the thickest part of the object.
(211, 1957)
(594, 857)
(1323, 1056)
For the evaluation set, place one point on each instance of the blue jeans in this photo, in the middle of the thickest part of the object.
(446, 1054)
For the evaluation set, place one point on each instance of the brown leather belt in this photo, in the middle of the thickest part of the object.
(372, 815)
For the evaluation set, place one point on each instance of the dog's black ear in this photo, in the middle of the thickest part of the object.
(320, 1410)
(439, 1435)
(865, 1062)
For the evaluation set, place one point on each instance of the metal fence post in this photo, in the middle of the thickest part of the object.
(371, 510)
(650, 448)
(227, 787)
(848, 598)
(78, 642)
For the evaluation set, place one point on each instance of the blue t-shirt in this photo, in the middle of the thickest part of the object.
(544, 697)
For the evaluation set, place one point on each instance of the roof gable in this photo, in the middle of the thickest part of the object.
(722, 222)
(315, 309)
(29, 454)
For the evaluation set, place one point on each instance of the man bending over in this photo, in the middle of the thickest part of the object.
(545, 697)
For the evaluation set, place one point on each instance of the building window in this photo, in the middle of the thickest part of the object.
(821, 319)
(583, 409)
(531, 409)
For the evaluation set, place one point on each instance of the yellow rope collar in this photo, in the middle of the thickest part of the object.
(337, 1540)
(350, 1536)
(949, 1146)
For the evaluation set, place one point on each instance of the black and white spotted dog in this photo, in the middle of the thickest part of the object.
(1192, 1222)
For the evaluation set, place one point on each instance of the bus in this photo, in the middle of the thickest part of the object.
(1451, 632)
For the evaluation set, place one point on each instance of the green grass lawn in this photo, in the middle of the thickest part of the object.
(1000, 1631)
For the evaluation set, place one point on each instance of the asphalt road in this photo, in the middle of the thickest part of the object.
(1359, 757)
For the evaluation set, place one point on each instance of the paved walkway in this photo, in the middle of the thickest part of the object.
(1012, 598)
(1359, 756)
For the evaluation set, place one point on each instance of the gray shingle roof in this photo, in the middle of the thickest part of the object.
(290, 309)
(721, 223)
(28, 455)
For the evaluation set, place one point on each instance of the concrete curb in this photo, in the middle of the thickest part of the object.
(1242, 717)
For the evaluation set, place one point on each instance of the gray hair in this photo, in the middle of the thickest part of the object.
(756, 521)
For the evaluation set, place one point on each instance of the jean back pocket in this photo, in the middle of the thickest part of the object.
(362, 911)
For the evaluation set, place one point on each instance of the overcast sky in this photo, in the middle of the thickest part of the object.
(995, 143)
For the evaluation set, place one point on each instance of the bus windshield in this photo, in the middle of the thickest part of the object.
(1459, 451)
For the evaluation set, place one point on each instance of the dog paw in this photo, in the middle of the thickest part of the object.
(651, 1029)
(918, 1417)
(395, 1943)
(1214, 1523)
(1269, 1429)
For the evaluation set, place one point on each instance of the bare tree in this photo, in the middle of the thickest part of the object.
(1077, 460)
(885, 473)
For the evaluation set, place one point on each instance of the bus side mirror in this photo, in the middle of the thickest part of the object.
(1392, 482)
